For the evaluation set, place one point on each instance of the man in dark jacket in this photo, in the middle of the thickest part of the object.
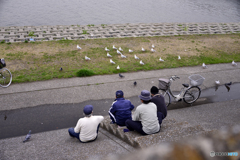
(159, 101)
(121, 109)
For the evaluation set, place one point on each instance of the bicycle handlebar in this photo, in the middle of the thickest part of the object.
(175, 77)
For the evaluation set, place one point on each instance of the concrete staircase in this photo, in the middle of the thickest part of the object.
(171, 130)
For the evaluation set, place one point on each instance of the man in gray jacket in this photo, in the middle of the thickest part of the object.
(144, 119)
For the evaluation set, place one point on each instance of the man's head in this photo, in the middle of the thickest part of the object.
(119, 94)
(145, 96)
(87, 110)
(154, 90)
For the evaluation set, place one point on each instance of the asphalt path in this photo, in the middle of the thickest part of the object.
(58, 116)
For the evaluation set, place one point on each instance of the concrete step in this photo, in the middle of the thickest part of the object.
(171, 130)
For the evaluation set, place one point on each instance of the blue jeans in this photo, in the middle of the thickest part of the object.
(76, 135)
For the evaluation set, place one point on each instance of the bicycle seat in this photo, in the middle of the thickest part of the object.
(185, 85)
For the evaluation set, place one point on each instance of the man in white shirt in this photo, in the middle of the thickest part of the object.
(86, 129)
(144, 119)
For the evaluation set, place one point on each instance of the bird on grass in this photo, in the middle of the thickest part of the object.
(135, 57)
(160, 59)
(118, 67)
(135, 83)
(87, 58)
(123, 56)
(141, 62)
(143, 49)
(114, 47)
(121, 76)
(120, 49)
(61, 69)
(204, 66)
(227, 85)
(118, 52)
(179, 57)
(111, 61)
(78, 47)
(234, 63)
(130, 51)
(153, 50)
(153, 46)
(108, 55)
(106, 49)
(28, 136)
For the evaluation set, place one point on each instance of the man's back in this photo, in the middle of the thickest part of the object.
(160, 103)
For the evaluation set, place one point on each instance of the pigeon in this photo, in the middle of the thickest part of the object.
(28, 136)
(160, 59)
(87, 58)
(106, 49)
(153, 46)
(143, 49)
(108, 55)
(179, 57)
(135, 83)
(118, 52)
(227, 85)
(130, 51)
(141, 62)
(118, 67)
(114, 47)
(204, 66)
(5, 117)
(61, 69)
(123, 56)
(78, 47)
(153, 50)
(121, 76)
(120, 49)
(112, 61)
(217, 84)
(135, 57)
(234, 63)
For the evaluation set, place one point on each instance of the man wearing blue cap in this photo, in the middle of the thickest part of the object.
(144, 119)
(86, 129)
(121, 109)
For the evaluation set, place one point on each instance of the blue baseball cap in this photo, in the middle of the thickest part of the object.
(88, 109)
(119, 94)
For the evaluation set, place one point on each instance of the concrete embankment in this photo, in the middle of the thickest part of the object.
(74, 32)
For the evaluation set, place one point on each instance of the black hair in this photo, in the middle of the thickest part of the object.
(146, 102)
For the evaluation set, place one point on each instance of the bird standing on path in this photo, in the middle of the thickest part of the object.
(121, 76)
(204, 66)
(234, 63)
(227, 85)
(135, 83)
(28, 136)
(217, 85)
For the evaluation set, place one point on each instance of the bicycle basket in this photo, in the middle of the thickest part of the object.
(2, 63)
(196, 79)
(163, 84)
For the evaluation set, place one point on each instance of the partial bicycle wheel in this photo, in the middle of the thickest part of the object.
(167, 97)
(5, 77)
(192, 94)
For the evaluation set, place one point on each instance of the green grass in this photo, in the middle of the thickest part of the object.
(84, 73)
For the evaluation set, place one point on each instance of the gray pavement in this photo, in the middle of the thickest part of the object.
(58, 145)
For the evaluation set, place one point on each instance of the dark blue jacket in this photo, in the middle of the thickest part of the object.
(120, 111)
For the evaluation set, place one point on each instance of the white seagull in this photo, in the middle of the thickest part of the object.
(123, 56)
(114, 47)
(160, 59)
(217, 82)
(135, 57)
(153, 46)
(120, 49)
(153, 50)
(130, 51)
(106, 49)
(87, 58)
(118, 67)
(108, 55)
(78, 47)
(234, 63)
(143, 49)
(179, 57)
(118, 52)
(141, 62)
(204, 66)
(111, 61)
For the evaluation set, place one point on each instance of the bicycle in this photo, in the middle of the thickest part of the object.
(5, 74)
(189, 93)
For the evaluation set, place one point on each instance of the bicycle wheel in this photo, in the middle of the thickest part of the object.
(192, 94)
(167, 97)
(5, 77)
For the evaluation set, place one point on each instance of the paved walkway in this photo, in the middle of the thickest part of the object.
(58, 145)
